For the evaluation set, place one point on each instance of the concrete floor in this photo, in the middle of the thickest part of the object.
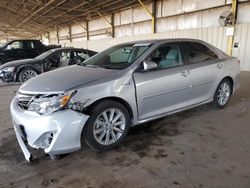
(199, 148)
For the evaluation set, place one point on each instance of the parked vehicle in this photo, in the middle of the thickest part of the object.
(22, 70)
(22, 49)
(123, 86)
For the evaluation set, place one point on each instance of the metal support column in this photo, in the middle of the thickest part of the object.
(112, 26)
(57, 35)
(154, 16)
(87, 29)
(110, 23)
(230, 39)
(151, 13)
(67, 32)
(70, 34)
(48, 37)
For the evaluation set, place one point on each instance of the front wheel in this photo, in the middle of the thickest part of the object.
(107, 126)
(26, 74)
(223, 94)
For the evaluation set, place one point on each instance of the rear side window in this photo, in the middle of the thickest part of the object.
(80, 56)
(196, 52)
(30, 45)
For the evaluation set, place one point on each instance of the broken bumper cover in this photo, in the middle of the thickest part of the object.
(6, 77)
(57, 133)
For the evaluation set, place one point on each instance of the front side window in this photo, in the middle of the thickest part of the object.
(118, 57)
(197, 52)
(15, 45)
(64, 58)
(166, 56)
(57, 59)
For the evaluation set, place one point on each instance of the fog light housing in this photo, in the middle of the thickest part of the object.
(45, 140)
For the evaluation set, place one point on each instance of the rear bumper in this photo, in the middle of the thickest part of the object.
(58, 133)
(236, 82)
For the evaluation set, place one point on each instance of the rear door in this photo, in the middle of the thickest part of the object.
(32, 49)
(206, 69)
(165, 88)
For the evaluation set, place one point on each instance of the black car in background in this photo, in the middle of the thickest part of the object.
(22, 49)
(22, 70)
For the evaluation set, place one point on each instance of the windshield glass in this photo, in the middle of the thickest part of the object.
(117, 57)
(2, 45)
(45, 54)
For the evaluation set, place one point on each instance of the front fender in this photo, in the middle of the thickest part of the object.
(121, 89)
(18, 70)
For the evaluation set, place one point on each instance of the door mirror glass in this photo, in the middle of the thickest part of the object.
(147, 65)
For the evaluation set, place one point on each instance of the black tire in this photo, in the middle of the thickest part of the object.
(23, 73)
(95, 113)
(216, 101)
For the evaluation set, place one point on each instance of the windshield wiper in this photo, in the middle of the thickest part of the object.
(89, 65)
(94, 66)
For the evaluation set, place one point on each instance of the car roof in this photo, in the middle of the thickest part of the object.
(155, 41)
(24, 40)
(70, 48)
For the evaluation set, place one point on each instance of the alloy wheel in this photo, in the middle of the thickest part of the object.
(224, 93)
(109, 126)
(28, 74)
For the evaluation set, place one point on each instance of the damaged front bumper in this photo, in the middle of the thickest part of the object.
(7, 77)
(57, 133)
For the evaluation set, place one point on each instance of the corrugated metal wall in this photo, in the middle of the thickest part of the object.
(242, 37)
(175, 19)
(213, 35)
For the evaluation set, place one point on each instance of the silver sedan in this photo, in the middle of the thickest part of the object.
(123, 86)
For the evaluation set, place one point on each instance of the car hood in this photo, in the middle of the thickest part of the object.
(64, 79)
(18, 62)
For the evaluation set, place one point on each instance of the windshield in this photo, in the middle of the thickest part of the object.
(3, 44)
(45, 54)
(117, 57)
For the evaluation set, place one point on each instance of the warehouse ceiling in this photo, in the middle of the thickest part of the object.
(29, 18)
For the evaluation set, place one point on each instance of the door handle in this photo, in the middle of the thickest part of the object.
(185, 73)
(219, 65)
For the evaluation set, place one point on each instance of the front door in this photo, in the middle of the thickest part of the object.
(31, 50)
(14, 51)
(164, 88)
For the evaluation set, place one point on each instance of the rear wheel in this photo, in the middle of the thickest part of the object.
(223, 94)
(107, 126)
(26, 74)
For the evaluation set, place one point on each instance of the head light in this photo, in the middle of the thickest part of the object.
(8, 69)
(45, 105)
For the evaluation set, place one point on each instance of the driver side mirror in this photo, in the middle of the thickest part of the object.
(147, 65)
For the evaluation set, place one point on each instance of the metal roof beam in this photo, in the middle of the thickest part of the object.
(35, 12)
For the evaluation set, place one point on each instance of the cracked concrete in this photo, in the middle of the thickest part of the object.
(199, 148)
